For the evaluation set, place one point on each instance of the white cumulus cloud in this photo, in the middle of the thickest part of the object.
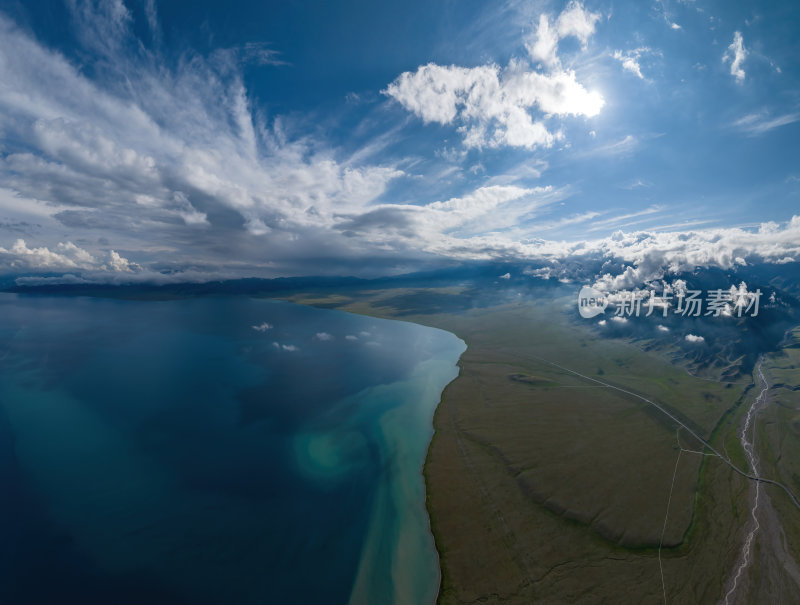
(282, 347)
(492, 106)
(119, 263)
(64, 256)
(510, 106)
(574, 21)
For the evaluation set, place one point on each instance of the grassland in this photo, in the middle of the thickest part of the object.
(545, 487)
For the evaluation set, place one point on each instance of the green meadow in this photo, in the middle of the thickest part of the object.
(545, 486)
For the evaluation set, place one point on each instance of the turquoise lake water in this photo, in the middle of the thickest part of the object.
(218, 450)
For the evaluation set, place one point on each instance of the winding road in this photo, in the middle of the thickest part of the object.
(753, 477)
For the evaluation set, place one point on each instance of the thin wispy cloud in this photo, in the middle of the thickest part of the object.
(568, 221)
(636, 184)
(623, 220)
(660, 7)
(622, 146)
(631, 59)
(681, 225)
(760, 123)
(128, 155)
(736, 55)
(179, 158)
(491, 208)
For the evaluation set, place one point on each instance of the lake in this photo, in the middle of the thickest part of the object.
(215, 450)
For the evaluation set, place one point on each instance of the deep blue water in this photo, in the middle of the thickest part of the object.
(168, 452)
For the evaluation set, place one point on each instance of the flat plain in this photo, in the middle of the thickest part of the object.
(552, 479)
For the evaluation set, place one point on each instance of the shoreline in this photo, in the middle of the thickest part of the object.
(426, 478)
(400, 561)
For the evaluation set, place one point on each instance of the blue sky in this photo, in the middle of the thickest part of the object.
(171, 140)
